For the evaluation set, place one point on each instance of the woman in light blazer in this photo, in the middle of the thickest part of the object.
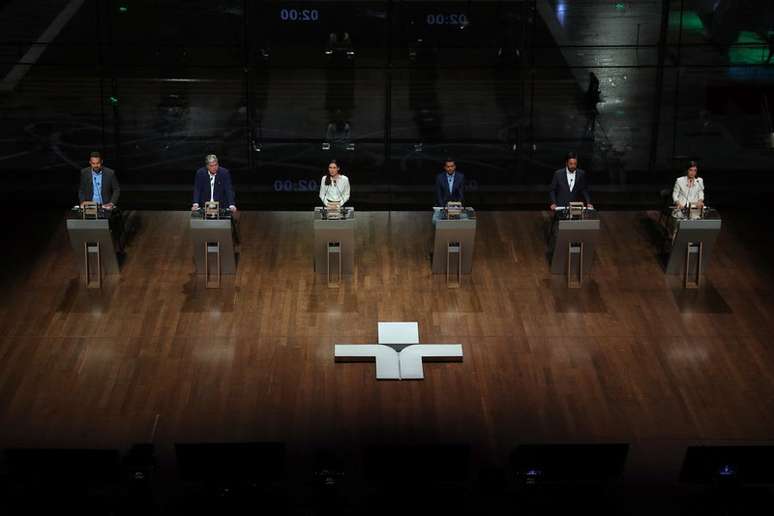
(689, 189)
(334, 186)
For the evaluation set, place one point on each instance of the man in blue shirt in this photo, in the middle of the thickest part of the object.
(98, 184)
(449, 185)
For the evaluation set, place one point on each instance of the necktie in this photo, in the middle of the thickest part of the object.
(212, 187)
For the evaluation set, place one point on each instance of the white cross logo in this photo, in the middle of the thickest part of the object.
(398, 355)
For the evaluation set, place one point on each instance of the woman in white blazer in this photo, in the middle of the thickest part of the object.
(689, 189)
(334, 186)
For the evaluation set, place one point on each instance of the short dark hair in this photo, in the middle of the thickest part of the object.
(570, 155)
(449, 160)
(95, 154)
(692, 164)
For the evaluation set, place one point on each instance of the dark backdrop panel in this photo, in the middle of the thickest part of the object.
(168, 125)
(389, 88)
(49, 126)
(316, 34)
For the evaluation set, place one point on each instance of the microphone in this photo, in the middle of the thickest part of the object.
(688, 196)
(327, 183)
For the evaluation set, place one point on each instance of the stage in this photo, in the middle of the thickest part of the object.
(630, 357)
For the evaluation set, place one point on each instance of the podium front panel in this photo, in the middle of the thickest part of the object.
(701, 230)
(571, 231)
(97, 231)
(213, 230)
(341, 231)
(454, 230)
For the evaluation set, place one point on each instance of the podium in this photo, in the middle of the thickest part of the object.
(334, 242)
(454, 242)
(94, 248)
(574, 243)
(213, 246)
(692, 247)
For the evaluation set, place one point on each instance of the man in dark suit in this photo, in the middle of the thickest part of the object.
(98, 184)
(449, 184)
(213, 183)
(569, 184)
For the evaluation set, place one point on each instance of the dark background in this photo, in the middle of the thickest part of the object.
(499, 86)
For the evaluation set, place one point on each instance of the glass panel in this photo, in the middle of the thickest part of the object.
(169, 125)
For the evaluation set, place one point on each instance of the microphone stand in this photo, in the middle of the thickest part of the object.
(338, 190)
(327, 187)
(687, 211)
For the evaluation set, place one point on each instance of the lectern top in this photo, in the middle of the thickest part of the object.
(344, 212)
(704, 213)
(77, 213)
(462, 214)
(222, 214)
(565, 213)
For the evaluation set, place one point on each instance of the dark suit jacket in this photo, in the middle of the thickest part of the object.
(223, 193)
(560, 189)
(110, 189)
(442, 194)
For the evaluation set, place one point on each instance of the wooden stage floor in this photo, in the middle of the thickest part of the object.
(629, 358)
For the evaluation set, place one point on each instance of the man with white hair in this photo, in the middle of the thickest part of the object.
(213, 183)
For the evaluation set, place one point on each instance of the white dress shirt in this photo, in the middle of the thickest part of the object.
(684, 193)
(212, 187)
(570, 178)
(337, 191)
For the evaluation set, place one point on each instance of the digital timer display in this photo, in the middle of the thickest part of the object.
(302, 185)
(446, 19)
(300, 15)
